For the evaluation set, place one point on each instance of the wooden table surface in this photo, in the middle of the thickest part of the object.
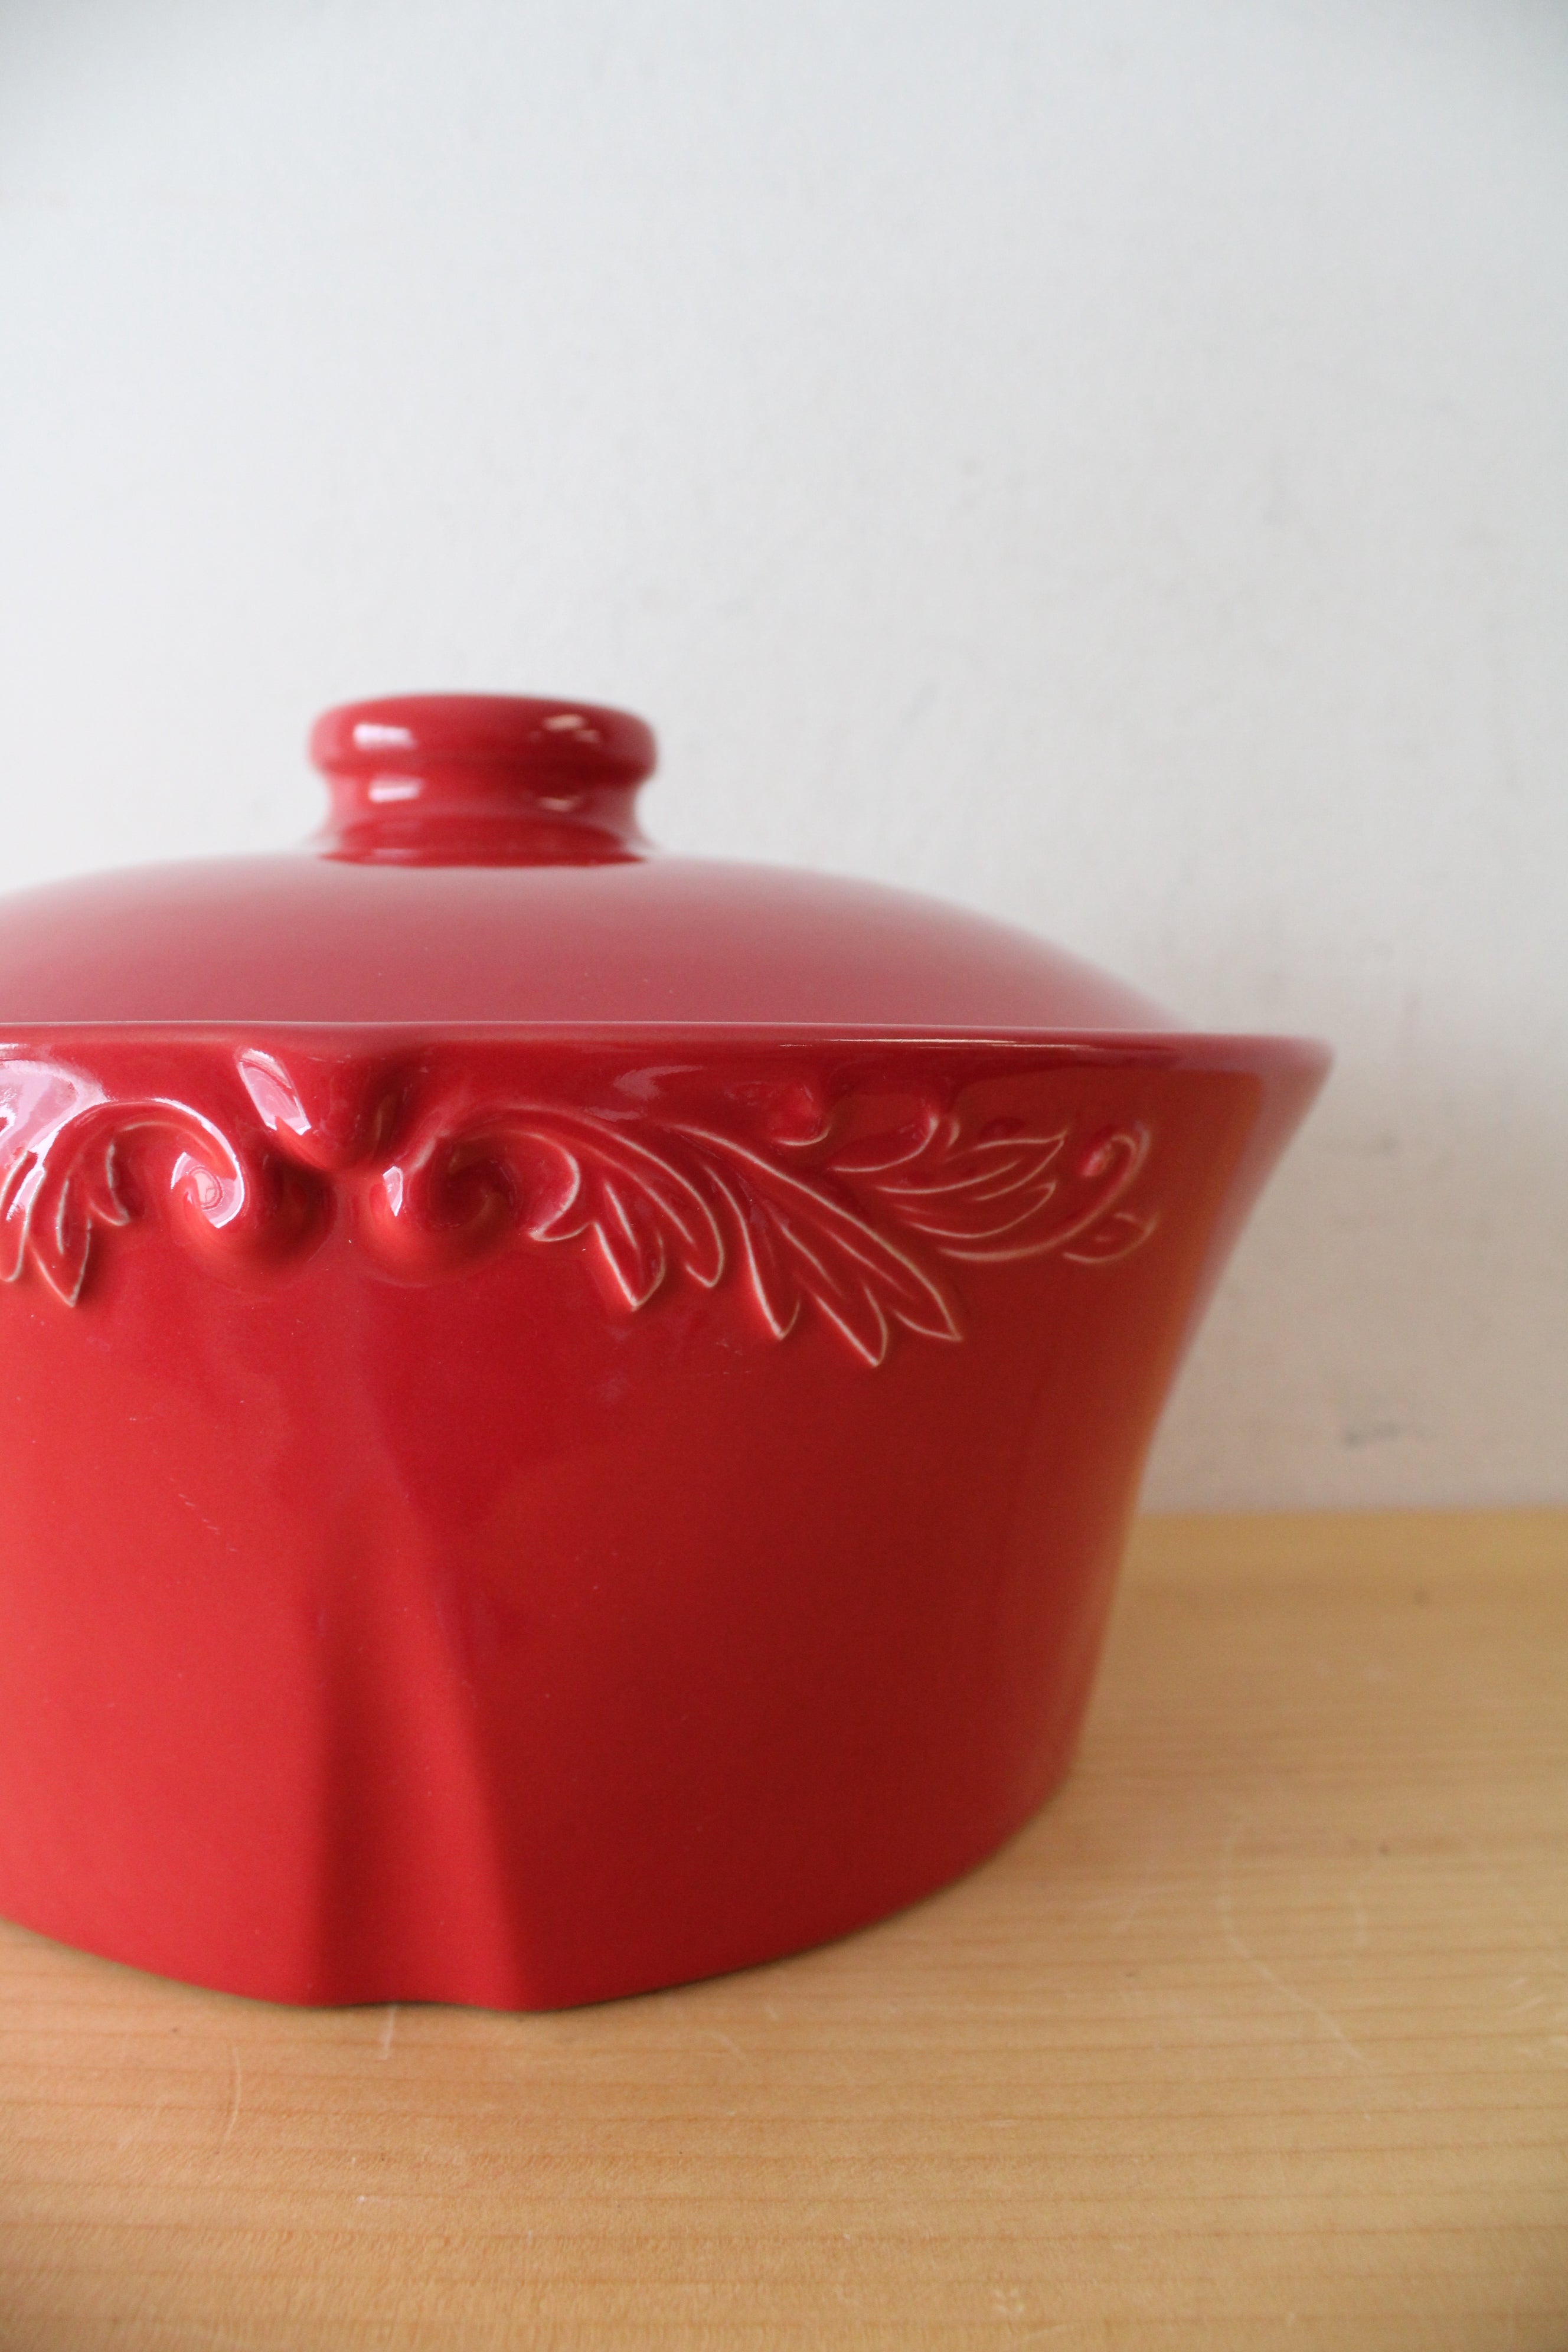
(1258, 2037)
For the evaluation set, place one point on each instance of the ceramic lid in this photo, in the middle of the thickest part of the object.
(482, 863)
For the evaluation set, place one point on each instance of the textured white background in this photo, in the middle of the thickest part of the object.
(1106, 460)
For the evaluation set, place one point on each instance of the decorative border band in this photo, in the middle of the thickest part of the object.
(857, 1226)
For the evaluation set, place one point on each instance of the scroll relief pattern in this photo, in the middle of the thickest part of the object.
(862, 1232)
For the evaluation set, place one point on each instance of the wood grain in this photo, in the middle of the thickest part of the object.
(1258, 2037)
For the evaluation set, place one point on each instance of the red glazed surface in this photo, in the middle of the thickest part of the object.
(507, 881)
(529, 1510)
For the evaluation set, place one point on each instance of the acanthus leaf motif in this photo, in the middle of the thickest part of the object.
(56, 1173)
(635, 1204)
(988, 1199)
(553, 1174)
(63, 1143)
(803, 1245)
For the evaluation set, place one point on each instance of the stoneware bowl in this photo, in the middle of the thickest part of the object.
(568, 1414)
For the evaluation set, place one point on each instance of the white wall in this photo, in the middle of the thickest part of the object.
(1103, 460)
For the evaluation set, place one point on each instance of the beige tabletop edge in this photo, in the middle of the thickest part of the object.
(1257, 2037)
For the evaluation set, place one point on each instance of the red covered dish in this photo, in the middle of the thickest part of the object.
(570, 1414)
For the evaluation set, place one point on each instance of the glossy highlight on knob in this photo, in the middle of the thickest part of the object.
(481, 780)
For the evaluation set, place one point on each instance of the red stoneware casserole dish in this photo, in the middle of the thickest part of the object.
(568, 1414)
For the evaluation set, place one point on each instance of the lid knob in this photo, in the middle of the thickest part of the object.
(481, 780)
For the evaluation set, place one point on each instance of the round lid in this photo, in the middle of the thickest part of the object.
(481, 862)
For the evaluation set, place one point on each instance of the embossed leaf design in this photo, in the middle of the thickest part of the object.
(56, 1173)
(60, 1149)
(850, 1233)
(986, 1192)
(803, 1245)
(552, 1174)
(634, 1203)
(668, 1199)
(990, 1199)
